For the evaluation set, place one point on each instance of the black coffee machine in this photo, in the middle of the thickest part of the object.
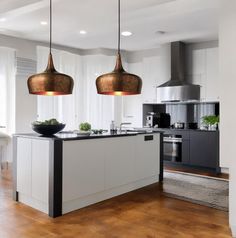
(160, 120)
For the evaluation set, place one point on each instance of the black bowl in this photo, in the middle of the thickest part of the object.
(48, 130)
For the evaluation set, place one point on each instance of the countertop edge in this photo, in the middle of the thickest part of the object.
(90, 137)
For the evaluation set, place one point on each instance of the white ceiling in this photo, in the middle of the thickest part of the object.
(185, 20)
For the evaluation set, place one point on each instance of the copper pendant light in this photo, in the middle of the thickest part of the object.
(50, 82)
(119, 82)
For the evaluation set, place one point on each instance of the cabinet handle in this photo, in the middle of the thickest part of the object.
(147, 138)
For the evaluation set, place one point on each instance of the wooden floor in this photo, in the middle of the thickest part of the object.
(145, 213)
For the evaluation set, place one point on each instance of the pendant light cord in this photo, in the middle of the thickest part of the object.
(118, 26)
(50, 26)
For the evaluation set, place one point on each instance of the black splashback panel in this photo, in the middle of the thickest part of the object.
(184, 112)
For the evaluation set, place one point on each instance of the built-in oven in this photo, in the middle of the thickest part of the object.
(172, 150)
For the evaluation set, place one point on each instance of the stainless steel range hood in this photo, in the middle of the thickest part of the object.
(177, 89)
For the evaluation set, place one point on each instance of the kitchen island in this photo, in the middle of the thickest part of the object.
(66, 172)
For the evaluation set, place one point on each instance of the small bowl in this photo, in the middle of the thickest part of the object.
(82, 133)
(48, 130)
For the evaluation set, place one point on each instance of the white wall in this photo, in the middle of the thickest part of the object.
(227, 62)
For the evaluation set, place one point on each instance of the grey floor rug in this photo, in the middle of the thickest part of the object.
(202, 190)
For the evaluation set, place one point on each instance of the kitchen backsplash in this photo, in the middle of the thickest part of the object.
(184, 112)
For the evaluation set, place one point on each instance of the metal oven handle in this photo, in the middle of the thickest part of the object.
(172, 140)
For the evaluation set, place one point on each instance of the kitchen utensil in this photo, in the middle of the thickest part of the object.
(178, 125)
(98, 131)
(192, 125)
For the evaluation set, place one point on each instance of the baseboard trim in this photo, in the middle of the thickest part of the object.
(224, 170)
(32, 202)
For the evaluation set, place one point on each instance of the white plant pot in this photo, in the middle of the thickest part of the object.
(212, 127)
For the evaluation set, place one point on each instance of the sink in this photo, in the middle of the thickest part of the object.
(124, 132)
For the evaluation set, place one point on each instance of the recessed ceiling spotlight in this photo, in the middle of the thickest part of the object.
(83, 32)
(44, 23)
(3, 19)
(126, 33)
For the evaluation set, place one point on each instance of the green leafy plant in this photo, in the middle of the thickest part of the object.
(210, 120)
(85, 126)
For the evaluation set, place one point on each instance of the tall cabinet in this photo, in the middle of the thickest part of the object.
(203, 69)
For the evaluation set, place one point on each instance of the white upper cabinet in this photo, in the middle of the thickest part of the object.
(148, 69)
(154, 69)
(212, 75)
(203, 69)
(132, 105)
(151, 68)
(196, 67)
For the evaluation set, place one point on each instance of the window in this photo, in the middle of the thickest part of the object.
(84, 104)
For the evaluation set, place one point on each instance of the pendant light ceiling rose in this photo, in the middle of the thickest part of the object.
(119, 82)
(50, 82)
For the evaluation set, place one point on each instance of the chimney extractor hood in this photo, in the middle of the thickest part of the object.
(177, 89)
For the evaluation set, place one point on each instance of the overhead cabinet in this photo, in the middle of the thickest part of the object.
(203, 69)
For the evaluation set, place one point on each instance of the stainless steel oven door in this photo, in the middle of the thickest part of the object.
(172, 149)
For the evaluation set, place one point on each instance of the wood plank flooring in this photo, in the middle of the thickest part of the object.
(145, 213)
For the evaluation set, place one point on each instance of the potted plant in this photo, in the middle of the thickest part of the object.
(85, 128)
(211, 121)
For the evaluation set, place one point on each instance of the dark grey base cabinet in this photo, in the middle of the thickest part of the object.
(204, 149)
(199, 148)
(185, 152)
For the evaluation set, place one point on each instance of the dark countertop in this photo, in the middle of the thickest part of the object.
(66, 136)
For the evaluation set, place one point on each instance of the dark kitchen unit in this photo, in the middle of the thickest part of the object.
(196, 148)
(189, 146)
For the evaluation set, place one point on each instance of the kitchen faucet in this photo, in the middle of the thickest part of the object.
(124, 123)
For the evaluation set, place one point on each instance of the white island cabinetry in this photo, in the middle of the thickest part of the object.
(33, 172)
(92, 170)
